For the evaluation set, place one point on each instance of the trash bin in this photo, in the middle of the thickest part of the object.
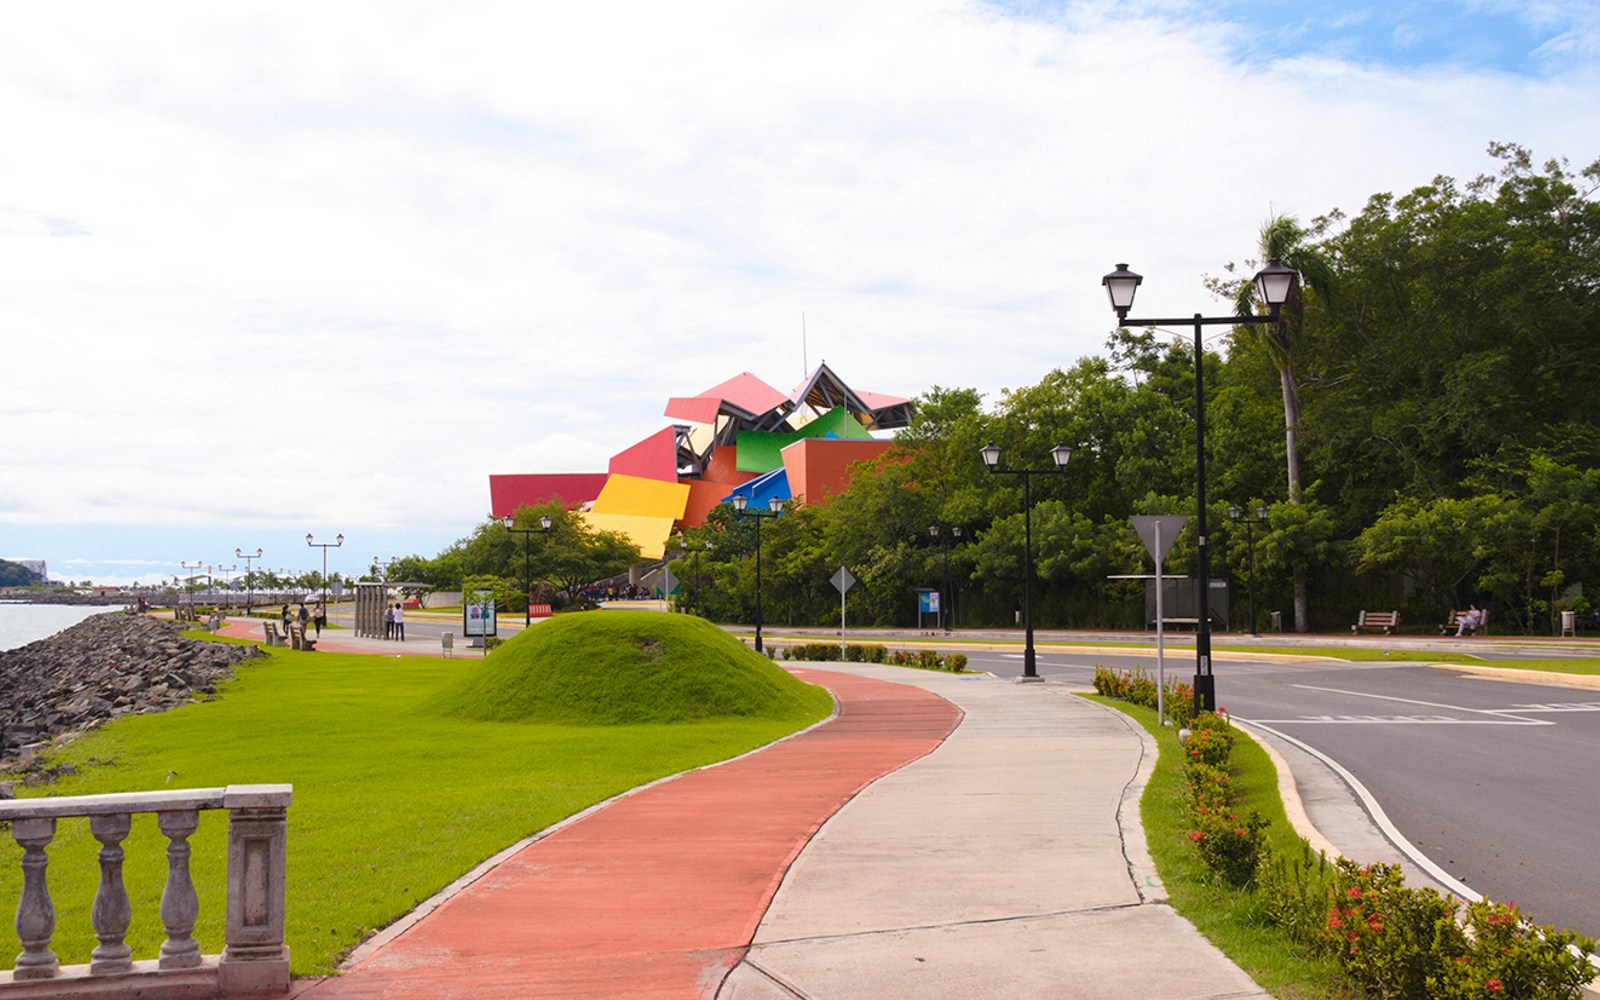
(1277, 621)
(1569, 623)
(448, 642)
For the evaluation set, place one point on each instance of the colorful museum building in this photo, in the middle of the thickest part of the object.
(739, 437)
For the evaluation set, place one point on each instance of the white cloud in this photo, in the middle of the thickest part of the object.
(284, 264)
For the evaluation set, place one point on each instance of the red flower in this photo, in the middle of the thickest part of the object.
(1334, 923)
(1238, 831)
(1355, 892)
(1494, 986)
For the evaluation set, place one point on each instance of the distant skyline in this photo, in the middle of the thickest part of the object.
(275, 268)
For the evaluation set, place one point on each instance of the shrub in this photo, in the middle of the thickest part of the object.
(1230, 846)
(1510, 957)
(1391, 940)
(1139, 689)
(1294, 892)
(957, 663)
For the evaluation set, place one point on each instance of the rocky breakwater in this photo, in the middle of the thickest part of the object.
(103, 668)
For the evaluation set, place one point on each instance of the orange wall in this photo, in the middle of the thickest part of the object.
(819, 467)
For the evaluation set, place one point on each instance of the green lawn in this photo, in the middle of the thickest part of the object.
(390, 803)
(1232, 920)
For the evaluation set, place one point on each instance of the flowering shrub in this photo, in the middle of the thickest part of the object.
(1396, 941)
(1391, 940)
(1138, 689)
(926, 659)
(1230, 846)
(1510, 957)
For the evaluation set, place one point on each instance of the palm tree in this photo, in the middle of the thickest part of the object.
(1284, 239)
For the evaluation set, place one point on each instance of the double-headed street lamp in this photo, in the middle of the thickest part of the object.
(954, 532)
(338, 540)
(191, 567)
(775, 506)
(1260, 517)
(1060, 454)
(249, 581)
(510, 521)
(1274, 283)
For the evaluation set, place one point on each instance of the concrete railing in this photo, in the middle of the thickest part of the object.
(254, 959)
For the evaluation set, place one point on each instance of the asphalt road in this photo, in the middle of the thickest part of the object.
(1494, 782)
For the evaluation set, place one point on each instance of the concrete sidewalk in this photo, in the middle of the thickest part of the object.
(1010, 862)
(1005, 859)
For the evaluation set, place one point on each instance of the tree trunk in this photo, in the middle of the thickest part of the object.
(1291, 443)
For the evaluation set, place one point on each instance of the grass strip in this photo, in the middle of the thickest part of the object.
(1232, 920)
(390, 805)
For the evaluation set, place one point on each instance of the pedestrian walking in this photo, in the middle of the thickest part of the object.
(319, 618)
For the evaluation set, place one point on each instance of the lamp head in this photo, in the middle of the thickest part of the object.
(956, 531)
(1274, 283)
(1061, 454)
(933, 529)
(308, 539)
(338, 539)
(991, 455)
(510, 521)
(545, 522)
(1234, 513)
(740, 501)
(1121, 285)
(775, 505)
(1262, 513)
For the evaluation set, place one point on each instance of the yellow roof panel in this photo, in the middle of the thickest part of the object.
(642, 497)
(649, 533)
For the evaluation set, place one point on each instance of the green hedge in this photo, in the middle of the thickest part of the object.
(924, 659)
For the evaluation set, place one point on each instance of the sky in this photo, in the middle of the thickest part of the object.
(271, 269)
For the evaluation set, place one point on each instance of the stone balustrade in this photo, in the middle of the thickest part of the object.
(254, 960)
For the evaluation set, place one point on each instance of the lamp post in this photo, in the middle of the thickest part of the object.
(944, 609)
(1274, 283)
(1060, 455)
(338, 540)
(1260, 517)
(191, 567)
(510, 521)
(227, 580)
(381, 567)
(249, 580)
(775, 506)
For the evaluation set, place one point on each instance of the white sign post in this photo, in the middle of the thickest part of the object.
(842, 582)
(1158, 533)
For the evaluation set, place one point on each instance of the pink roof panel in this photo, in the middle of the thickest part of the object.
(656, 457)
(507, 493)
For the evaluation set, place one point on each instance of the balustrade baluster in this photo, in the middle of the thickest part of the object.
(36, 916)
(180, 906)
(111, 913)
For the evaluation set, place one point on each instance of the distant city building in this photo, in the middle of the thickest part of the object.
(740, 436)
(35, 566)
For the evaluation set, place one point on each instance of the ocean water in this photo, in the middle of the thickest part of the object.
(21, 624)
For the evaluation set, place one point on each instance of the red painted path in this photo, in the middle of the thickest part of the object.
(658, 894)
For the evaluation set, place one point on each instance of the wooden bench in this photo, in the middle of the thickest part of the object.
(1376, 621)
(1453, 623)
(1193, 623)
(269, 632)
(299, 640)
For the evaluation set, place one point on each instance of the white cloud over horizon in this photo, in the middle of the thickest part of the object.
(283, 267)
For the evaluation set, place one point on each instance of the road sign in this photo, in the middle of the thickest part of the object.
(842, 582)
(1159, 530)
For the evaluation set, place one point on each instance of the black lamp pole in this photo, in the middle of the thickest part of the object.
(1273, 283)
(1237, 516)
(249, 580)
(948, 595)
(510, 521)
(775, 506)
(1060, 454)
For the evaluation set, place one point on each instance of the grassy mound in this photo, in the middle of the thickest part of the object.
(625, 668)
